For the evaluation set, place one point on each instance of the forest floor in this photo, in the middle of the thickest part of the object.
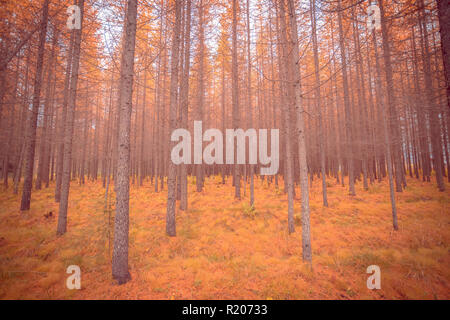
(226, 250)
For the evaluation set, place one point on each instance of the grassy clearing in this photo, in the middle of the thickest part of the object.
(226, 249)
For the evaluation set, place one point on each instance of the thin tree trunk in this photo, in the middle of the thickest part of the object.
(391, 103)
(185, 101)
(318, 102)
(121, 222)
(60, 143)
(348, 118)
(171, 181)
(11, 128)
(249, 93)
(431, 105)
(444, 25)
(235, 97)
(68, 129)
(387, 143)
(287, 95)
(31, 139)
(295, 63)
(44, 148)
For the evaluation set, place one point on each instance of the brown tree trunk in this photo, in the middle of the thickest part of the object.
(348, 118)
(295, 65)
(68, 129)
(386, 137)
(184, 101)
(391, 103)
(44, 147)
(235, 97)
(249, 93)
(141, 152)
(362, 101)
(431, 105)
(171, 181)
(287, 99)
(121, 221)
(11, 129)
(31, 139)
(318, 102)
(60, 143)
(444, 28)
(199, 172)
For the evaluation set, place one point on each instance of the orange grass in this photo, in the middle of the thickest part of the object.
(226, 250)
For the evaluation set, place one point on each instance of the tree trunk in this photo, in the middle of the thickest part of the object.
(171, 181)
(387, 141)
(235, 97)
(295, 65)
(68, 129)
(431, 105)
(44, 147)
(318, 102)
(348, 118)
(391, 103)
(31, 139)
(184, 103)
(249, 93)
(444, 28)
(121, 222)
(200, 88)
(60, 143)
(287, 98)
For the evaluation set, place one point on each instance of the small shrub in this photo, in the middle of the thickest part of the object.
(249, 211)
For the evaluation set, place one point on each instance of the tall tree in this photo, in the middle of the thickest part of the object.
(444, 25)
(287, 99)
(63, 117)
(171, 181)
(33, 118)
(249, 97)
(387, 143)
(200, 85)
(235, 94)
(348, 115)
(184, 100)
(295, 65)
(44, 148)
(68, 127)
(318, 101)
(391, 101)
(121, 222)
(432, 106)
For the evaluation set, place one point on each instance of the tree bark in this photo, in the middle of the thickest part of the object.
(444, 28)
(432, 107)
(235, 97)
(68, 128)
(171, 181)
(391, 103)
(121, 222)
(318, 102)
(60, 143)
(348, 117)
(44, 147)
(31, 139)
(250, 110)
(185, 101)
(302, 152)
